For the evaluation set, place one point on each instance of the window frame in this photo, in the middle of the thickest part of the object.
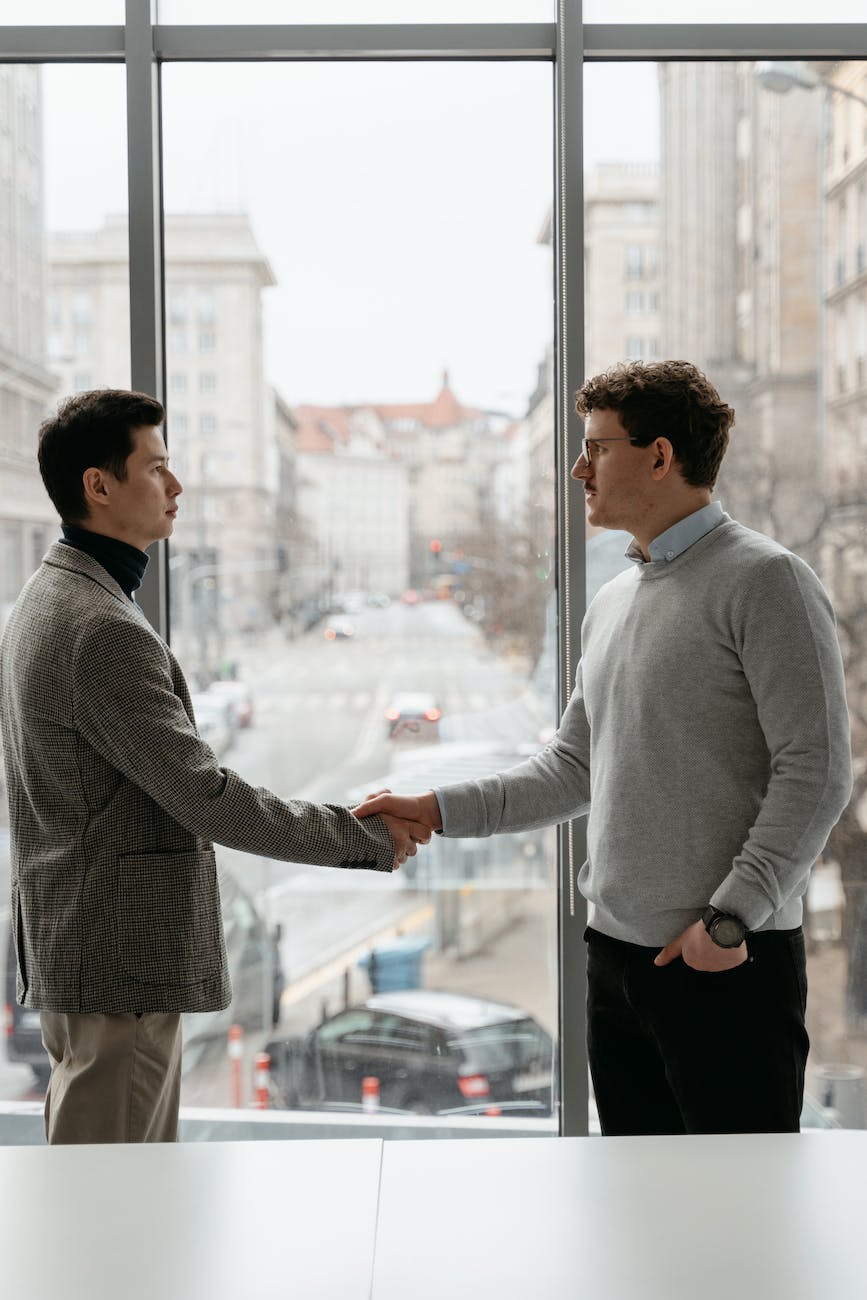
(144, 46)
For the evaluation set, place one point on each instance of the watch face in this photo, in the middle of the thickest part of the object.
(727, 931)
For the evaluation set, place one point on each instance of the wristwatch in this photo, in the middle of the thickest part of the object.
(727, 931)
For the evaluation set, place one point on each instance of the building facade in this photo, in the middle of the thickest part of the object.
(28, 521)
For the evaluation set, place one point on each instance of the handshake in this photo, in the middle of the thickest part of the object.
(411, 819)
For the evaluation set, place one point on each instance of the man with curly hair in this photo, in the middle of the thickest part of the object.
(707, 738)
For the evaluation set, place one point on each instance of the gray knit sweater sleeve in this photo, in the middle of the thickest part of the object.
(552, 786)
(791, 660)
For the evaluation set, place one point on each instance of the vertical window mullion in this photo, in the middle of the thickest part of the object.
(147, 349)
(571, 587)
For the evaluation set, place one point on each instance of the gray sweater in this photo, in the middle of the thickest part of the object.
(707, 737)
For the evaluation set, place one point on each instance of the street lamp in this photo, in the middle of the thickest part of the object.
(782, 75)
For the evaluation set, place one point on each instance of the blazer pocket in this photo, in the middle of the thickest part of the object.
(169, 925)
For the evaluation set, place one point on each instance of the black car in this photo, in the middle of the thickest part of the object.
(432, 1053)
(253, 952)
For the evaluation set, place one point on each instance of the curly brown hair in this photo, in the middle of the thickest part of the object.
(668, 399)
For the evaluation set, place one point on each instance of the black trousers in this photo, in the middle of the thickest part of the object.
(675, 1050)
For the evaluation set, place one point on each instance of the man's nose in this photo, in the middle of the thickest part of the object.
(581, 468)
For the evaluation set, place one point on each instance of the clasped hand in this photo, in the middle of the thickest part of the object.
(699, 951)
(411, 819)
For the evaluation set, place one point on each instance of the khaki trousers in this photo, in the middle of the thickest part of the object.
(113, 1078)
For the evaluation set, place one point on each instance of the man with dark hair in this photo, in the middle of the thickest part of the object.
(707, 737)
(114, 800)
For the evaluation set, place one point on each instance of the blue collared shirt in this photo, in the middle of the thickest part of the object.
(680, 536)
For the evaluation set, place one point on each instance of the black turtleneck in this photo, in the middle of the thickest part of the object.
(125, 563)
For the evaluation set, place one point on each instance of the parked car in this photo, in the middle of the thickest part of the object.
(339, 629)
(238, 695)
(433, 1053)
(21, 1024)
(215, 720)
(253, 950)
(413, 715)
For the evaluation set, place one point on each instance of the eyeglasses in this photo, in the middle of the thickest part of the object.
(587, 443)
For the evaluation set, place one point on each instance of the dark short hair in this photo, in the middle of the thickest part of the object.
(666, 399)
(91, 430)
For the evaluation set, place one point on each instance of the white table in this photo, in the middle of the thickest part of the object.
(221, 1221)
(774, 1217)
(720, 1218)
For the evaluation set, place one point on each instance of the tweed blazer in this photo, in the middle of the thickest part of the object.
(115, 802)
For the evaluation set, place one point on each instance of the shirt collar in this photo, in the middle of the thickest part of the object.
(680, 536)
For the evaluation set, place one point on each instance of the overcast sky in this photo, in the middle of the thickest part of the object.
(398, 204)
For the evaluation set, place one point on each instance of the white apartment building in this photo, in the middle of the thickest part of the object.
(623, 281)
(219, 424)
(28, 522)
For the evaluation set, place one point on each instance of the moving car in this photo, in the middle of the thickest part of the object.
(433, 1053)
(237, 695)
(413, 715)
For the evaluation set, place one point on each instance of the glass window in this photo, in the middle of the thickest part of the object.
(349, 11)
(778, 328)
(63, 257)
(365, 559)
(40, 13)
(713, 11)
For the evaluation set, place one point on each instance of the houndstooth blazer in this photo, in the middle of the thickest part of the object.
(114, 802)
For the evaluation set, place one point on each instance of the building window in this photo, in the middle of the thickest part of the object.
(176, 308)
(12, 558)
(177, 382)
(207, 425)
(634, 302)
(81, 381)
(206, 307)
(82, 307)
(207, 340)
(178, 341)
(207, 382)
(634, 261)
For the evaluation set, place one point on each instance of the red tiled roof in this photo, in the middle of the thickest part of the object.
(444, 412)
(323, 428)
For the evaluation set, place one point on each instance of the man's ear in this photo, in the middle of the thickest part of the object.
(94, 482)
(663, 458)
